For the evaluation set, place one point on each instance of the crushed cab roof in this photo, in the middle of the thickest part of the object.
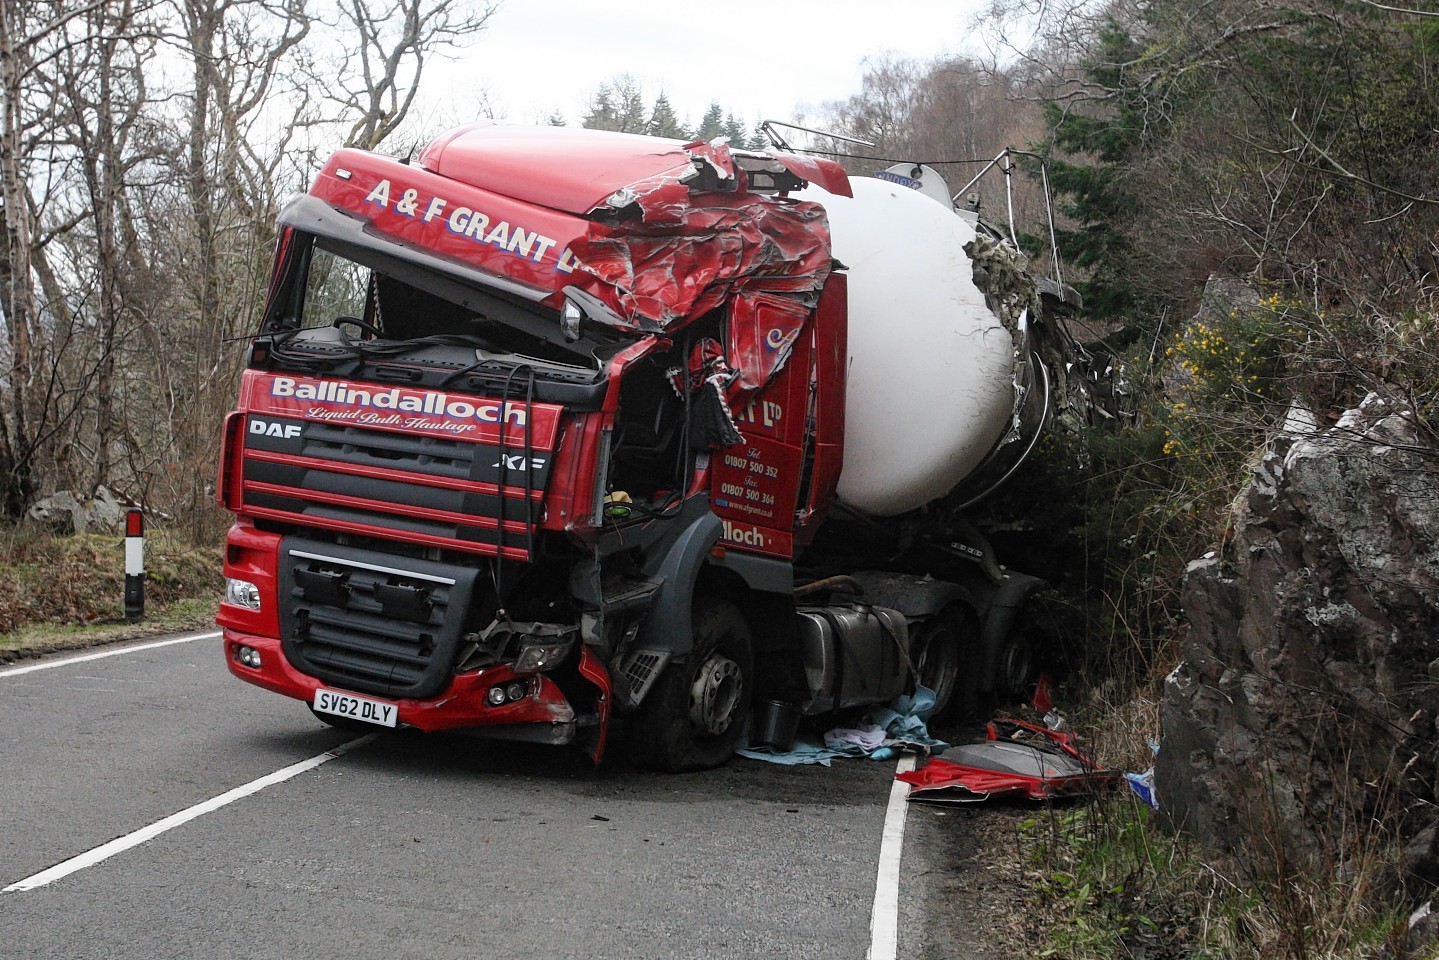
(578, 170)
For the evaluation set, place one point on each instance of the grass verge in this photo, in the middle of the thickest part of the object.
(38, 639)
(67, 592)
(1114, 883)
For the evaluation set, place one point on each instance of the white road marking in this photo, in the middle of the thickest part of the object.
(115, 652)
(884, 921)
(120, 844)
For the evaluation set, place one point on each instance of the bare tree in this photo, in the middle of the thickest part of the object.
(100, 99)
(32, 36)
(387, 44)
(950, 113)
(215, 212)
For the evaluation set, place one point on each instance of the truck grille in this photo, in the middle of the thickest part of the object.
(372, 622)
(431, 490)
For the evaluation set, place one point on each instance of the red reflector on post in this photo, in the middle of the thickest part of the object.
(134, 565)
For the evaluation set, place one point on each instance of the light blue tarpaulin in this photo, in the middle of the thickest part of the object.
(882, 734)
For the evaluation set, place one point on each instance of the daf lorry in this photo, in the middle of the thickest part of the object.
(552, 430)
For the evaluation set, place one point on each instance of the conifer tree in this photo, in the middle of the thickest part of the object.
(617, 104)
(734, 131)
(1089, 179)
(601, 113)
(664, 122)
(712, 123)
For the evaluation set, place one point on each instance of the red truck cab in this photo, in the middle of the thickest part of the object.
(530, 433)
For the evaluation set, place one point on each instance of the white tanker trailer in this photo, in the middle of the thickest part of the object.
(935, 375)
(958, 360)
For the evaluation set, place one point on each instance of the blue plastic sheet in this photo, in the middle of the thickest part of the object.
(1143, 783)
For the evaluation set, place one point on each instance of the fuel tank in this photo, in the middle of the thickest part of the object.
(856, 653)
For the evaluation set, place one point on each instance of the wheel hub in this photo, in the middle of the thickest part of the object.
(715, 694)
(937, 666)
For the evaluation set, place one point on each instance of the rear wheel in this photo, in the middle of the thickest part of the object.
(1016, 667)
(692, 718)
(936, 652)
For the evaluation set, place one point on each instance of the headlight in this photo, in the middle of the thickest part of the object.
(509, 693)
(242, 593)
(542, 655)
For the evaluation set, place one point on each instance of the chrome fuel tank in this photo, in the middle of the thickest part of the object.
(860, 652)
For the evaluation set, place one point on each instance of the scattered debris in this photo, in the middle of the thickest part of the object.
(882, 734)
(1018, 758)
(1143, 783)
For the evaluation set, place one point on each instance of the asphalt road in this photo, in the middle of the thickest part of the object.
(412, 846)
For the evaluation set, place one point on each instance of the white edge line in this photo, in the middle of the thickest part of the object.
(120, 844)
(117, 651)
(884, 921)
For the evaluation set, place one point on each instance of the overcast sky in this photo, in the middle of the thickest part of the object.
(759, 59)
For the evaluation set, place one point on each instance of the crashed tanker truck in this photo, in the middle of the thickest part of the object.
(551, 429)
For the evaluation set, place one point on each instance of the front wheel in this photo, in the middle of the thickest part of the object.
(692, 718)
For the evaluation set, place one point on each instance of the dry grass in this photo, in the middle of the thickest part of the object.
(60, 592)
(1115, 884)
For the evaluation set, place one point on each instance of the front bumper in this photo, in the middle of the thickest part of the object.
(462, 705)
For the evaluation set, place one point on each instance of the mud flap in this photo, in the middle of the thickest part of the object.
(592, 739)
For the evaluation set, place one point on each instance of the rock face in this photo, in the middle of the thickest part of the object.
(1307, 701)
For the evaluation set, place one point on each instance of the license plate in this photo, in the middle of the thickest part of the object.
(356, 708)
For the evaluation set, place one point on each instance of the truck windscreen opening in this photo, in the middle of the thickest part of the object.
(377, 297)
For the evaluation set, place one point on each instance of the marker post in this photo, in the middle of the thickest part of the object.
(134, 565)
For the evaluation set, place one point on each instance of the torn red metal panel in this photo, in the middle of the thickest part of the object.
(1019, 730)
(762, 331)
(669, 230)
(1018, 759)
(663, 199)
(593, 670)
(728, 242)
(579, 171)
(822, 173)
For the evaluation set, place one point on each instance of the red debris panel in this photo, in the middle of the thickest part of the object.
(1018, 759)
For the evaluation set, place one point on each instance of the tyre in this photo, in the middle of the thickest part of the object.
(693, 717)
(943, 650)
(1015, 670)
